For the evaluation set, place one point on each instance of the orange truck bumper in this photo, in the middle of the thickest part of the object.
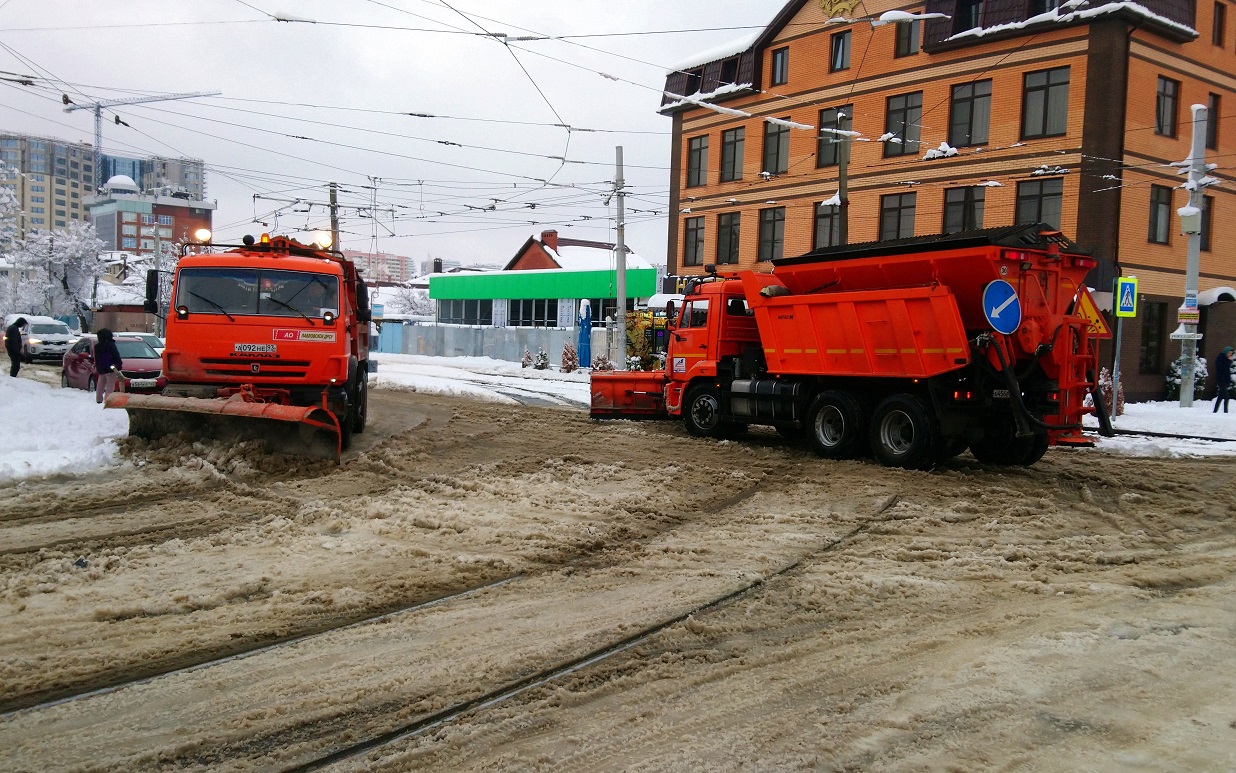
(630, 394)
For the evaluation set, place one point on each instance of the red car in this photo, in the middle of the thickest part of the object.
(142, 371)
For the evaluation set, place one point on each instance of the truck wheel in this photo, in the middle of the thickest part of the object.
(361, 399)
(835, 425)
(1001, 446)
(902, 433)
(703, 412)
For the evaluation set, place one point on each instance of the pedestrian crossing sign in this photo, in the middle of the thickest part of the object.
(1126, 296)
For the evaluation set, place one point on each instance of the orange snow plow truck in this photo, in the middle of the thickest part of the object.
(912, 350)
(268, 340)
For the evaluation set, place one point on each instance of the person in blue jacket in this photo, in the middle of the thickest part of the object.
(107, 365)
(1223, 378)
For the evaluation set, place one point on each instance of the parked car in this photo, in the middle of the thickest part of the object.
(46, 338)
(153, 340)
(142, 371)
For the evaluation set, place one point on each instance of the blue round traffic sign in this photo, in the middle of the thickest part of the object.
(1001, 306)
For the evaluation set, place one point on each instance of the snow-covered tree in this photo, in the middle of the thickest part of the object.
(570, 358)
(527, 359)
(9, 213)
(542, 359)
(1116, 406)
(407, 300)
(601, 362)
(1174, 377)
(59, 269)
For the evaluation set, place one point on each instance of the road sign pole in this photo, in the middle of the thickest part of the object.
(1111, 409)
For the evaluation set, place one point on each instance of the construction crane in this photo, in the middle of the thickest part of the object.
(97, 107)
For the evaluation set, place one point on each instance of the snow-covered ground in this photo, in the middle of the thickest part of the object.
(47, 430)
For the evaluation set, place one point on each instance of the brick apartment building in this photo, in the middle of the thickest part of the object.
(977, 113)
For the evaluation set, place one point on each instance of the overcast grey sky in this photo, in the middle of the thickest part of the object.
(306, 103)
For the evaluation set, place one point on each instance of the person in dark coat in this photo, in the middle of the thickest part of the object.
(12, 344)
(107, 365)
(1223, 378)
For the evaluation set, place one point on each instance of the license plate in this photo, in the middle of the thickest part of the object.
(1000, 394)
(249, 348)
(141, 383)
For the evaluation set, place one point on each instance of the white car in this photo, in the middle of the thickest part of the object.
(153, 340)
(46, 338)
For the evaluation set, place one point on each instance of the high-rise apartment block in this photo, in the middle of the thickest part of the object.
(50, 177)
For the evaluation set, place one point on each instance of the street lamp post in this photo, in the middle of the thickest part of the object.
(1191, 225)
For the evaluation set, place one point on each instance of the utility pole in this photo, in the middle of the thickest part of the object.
(334, 216)
(1191, 224)
(158, 264)
(97, 107)
(620, 249)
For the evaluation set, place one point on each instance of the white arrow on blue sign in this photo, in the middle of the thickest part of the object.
(1001, 306)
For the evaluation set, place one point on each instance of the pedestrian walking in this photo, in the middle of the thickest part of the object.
(12, 344)
(107, 365)
(1223, 378)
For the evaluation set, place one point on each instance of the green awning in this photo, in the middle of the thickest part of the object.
(555, 283)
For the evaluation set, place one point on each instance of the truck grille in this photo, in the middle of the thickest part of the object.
(235, 367)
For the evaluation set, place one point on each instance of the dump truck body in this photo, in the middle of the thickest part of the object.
(891, 349)
(275, 332)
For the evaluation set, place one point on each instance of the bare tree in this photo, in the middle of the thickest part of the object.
(410, 300)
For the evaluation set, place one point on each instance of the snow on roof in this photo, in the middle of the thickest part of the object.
(580, 258)
(120, 181)
(1216, 294)
(732, 48)
(1074, 15)
(131, 293)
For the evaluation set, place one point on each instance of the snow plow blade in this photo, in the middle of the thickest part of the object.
(632, 394)
(294, 429)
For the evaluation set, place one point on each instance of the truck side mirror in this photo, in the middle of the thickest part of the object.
(671, 316)
(363, 312)
(152, 292)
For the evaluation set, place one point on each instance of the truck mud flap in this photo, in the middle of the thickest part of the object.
(628, 395)
(293, 429)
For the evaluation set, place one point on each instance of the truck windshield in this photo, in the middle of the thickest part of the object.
(257, 292)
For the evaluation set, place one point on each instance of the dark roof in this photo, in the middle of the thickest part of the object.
(1024, 236)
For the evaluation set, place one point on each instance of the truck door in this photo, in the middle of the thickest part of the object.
(691, 338)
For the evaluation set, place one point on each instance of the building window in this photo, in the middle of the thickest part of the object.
(776, 147)
(727, 237)
(1212, 121)
(1208, 203)
(732, 142)
(694, 79)
(165, 219)
(471, 311)
(827, 226)
(1150, 353)
(969, 117)
(60, 202)
(907, 38)
(128, 230)
(165, 233)
(37, 220)
(963, 209)
(128, 243)
(1218, 31)
(1160, 213)
(533, 312)
(840, 58)
(828, 148)
(37, 200)
(1045, 103)
(897, 216)
(780, 66)
(38, 210)
(148, 219)
(1165, 107)
(904, 114)
(729, 70)
(1040, 201)
(772, 233)
(128, 217)
(697, 161)
(60, 223)
(969, 14)
(693, 241)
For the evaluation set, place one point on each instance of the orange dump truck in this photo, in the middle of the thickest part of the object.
(269, 339)
(912, 350)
